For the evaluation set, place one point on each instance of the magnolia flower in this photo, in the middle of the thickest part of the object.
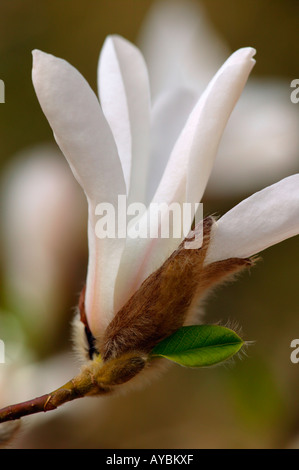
(108, 150)
(182, 49)
(140, 291)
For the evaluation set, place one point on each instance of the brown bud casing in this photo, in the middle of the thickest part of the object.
(164, 302)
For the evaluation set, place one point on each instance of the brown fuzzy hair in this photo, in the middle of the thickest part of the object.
(165, 300)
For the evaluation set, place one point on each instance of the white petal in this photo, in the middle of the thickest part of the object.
(217, 103)
(263, 128)
(84, 136)
(169, 115)
(80, 128)
(188, 169)
(264, 219)
(192, 158)
(124, 95)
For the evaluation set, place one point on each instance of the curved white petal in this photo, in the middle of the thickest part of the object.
(84, 136)
(125, 99)
(188, 169)
(80, 128)
(263, 128)
(192, 158)
(169, 115)
(264, 219)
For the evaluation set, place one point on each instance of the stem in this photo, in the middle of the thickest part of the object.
(68, 392)
(23, 409)
(95, 378)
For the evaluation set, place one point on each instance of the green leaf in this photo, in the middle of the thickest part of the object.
(199, 346)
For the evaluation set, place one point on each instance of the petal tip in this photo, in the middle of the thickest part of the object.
(39, 57)
(114, 39)
(120, 44)
(245, 53)
(251, 51)
(36, 53)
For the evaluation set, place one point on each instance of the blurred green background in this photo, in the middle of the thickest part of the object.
(251, 403)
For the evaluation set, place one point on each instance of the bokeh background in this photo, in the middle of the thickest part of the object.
(252, 403)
